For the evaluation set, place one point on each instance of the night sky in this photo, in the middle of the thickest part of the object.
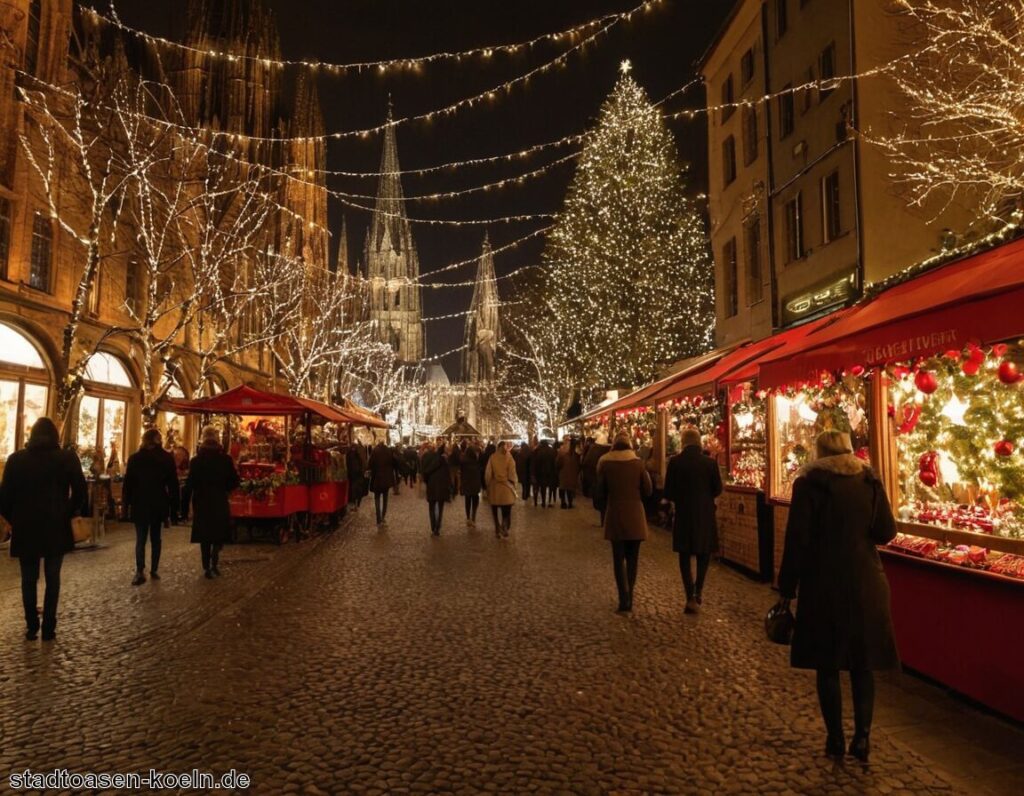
(662, 44)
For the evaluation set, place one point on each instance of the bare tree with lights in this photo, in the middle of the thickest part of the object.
(960, 133)
(629, 272)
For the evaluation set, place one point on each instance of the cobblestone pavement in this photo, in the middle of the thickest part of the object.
(391, 662)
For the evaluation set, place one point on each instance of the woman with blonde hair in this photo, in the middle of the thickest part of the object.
(839, 514)
(500, 477)
(624, 482)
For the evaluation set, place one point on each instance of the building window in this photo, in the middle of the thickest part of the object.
(781, 17)
(35, 12)
(42, 253)
(732, 298)
(24, 395)
(5, 235)
(786, 111)
(755, 277)
(749, 134)
(131, 287)
(747, 67)
(830, 205)
(398, 299)
(794, 229)
(729, 160)
(827, 71)
(728, 98)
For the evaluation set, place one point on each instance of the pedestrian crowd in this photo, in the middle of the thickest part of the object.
(839, 514)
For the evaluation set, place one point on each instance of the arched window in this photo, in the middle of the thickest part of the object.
(102, 415)
(24, 389)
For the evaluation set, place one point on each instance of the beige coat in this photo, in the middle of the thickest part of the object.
(626, 484)
(500, 477)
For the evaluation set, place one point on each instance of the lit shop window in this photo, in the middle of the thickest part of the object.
(24, 390)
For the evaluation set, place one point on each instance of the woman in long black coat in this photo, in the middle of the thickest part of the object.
(692, 482)
(839, 514)
(211, 478)
(356, 462)
(150, 494)
(470, 481)
(434, 469)
(42, 489)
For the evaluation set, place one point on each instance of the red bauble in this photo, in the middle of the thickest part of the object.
(1009, 373)
(999, 350)
(926, 382)
(952, 354)
(971, 367)
(1003, 448)
(928, 477)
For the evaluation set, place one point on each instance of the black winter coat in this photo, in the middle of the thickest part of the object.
(434, 468)
(838, 515)
(212, 478)
(42, 489)
(470, 469)
(692, 482)
(356, 464)
(544, 466)
(383, 469)
(588, 468)
(522, 457)
(150, 485)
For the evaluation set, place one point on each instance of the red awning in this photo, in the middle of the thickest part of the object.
(979, 298)
(245, 400)
(783, 344)
(642, 396)
(741, 361)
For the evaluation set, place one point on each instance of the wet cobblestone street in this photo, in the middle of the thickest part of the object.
(386, 661)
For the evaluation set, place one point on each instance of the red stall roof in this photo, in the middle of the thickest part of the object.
(742, 360)
(245, 400)
(784, 343)
(978, 298)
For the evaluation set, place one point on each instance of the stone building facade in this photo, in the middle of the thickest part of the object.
(40, 266)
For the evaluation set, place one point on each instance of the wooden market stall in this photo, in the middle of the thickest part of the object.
(926, 376)
(290, 455)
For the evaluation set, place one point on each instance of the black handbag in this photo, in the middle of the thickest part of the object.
(779, 623)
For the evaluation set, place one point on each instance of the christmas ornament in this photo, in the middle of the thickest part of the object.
(999, 350)
(928, 478)
(911, 416)
(926, 382)
(971, 367)
(1004, 448)
(928, 466)
(1009, 373)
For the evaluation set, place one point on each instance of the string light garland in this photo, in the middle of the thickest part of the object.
(510, 219)
(464, 313)
(382, 65)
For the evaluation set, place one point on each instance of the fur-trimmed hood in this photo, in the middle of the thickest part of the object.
(841, 464)
(627, 455)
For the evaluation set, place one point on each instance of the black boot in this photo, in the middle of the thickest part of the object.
(860, 747)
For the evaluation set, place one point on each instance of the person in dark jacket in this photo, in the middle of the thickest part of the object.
(522, 457)
(622, 477)
(357, 463)
(568, 466)
(211, 478)
(383, 477)
(471, 484)
(150, 494)
(434, 467)
(588, 474)
(839, 514)
(43, 487)
(485, 456)
(455, 467)
(692, 482)
(545, 473)
(412, 463)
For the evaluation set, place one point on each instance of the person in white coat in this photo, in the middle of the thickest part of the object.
(500, 479)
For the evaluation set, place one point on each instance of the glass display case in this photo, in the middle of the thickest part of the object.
(748, 442)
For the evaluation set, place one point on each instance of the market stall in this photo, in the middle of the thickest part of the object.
(290, 455)
(927, 377)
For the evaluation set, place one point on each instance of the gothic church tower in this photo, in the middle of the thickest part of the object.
(392, 265)
(483, 327)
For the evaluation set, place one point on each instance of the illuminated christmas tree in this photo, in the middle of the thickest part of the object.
(629, 272)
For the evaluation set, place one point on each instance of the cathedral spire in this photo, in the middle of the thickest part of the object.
(483, 325)
(342, 265)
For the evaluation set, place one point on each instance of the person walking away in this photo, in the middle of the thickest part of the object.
(357, 464)
(500, 478)
(522, 456)
(437, 479)
(692, 482)
(182, 458)
(43, 487)
(382, 479)
(455, 467)
(588, 472)
(568, 465)
(485, 457)
(546, 472)
(211, 479)
(412, 462)
(150, 494)
(830, 565)
(471, 482)
(622, 478)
